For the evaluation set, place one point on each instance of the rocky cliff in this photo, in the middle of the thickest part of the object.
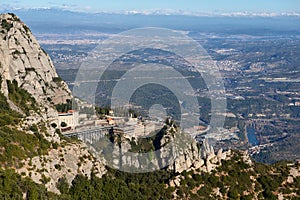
(32, 88)
(23, 60)
(183, 153)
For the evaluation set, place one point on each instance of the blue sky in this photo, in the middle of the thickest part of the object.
(208, 6)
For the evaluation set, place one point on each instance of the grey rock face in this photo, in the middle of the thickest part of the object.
(189, 156)
(22, 59)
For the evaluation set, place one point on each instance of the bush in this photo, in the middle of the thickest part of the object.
(13, 186)
(57, 79)
(6, 25)
(63, 185)
(63, 124)
(18, 145)
(57, 166)
(64, 107)
(21, 97)
(233, 193)
(7, 116)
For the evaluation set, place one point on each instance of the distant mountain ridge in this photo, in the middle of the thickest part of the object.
(49, 21)
(163, 12)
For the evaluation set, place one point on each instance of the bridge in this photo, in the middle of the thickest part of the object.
(90, 135)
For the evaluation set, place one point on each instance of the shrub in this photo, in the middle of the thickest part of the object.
(63, 124)
(21, 97)
(57, 166)
(53, 125)
(6, 25)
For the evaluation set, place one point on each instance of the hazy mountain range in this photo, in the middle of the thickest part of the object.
(64, 21)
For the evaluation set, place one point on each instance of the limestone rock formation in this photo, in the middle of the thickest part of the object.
(184, 154)
(24, 63)
(62, 163)
(198, 156)
(22, 59)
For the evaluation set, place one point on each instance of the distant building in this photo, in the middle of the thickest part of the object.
(101, 122)
(135, 130)
(71, 118)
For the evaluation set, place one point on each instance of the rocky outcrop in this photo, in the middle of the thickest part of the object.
(22, 59)
(25, 63)
(187, 154)
(198, 156)
(60, 163)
